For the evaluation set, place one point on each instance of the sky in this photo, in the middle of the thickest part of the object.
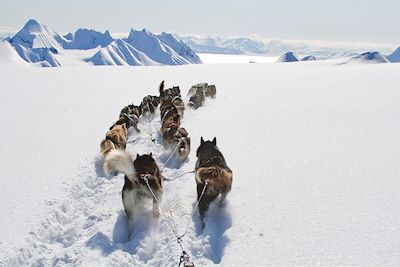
(338, 20)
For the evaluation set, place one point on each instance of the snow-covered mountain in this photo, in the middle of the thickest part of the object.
(395, 56)
(288, 57)
(85, 39)
(371, 57)
(154, 48)
(308, 58)
(180, 47)
(36, 43)
(120, 53)
(36, 35)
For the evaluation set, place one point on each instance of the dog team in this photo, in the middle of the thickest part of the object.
(143, 177)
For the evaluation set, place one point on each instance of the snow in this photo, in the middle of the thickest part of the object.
(288, 57)
(222, 58)
(314, 160)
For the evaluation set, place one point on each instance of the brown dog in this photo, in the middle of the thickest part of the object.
(129, 116)
(166, 95)
(212, 169)
(210, 91)
(174, 137)
(140, 174)
(197, 97)
(117, 135)
(170, 119)
(106, 146)
(179, 104)
(149, 104)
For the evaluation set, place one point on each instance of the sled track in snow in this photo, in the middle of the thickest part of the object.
(89, 228)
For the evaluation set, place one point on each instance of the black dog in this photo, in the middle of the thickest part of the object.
(213, 173)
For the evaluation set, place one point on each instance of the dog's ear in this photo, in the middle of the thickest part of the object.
(201, 140)
(161, 87)
(137, 155)
(214, 141)
(151, 154)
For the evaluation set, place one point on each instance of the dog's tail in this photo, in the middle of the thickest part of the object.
(161, 87)
(119, 160)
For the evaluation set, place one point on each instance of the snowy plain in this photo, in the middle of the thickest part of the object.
(314, 148)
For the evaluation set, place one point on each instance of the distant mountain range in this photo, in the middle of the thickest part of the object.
(277, 47)
(367, 57)
(37, 44)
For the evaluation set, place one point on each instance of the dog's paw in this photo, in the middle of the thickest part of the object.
(156, 213)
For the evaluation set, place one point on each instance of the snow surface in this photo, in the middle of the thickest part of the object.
(222, 58)
(314, 160)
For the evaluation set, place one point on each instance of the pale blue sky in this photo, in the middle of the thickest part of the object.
(339, 20)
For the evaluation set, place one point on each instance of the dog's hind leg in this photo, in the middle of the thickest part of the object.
(136, 127)
(222, 199)
(156, 208)
(223, 196)
(204, 202)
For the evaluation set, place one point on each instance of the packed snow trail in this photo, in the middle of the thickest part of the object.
(90, 228)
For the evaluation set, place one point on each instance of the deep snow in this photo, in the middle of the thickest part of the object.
(313, 146)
